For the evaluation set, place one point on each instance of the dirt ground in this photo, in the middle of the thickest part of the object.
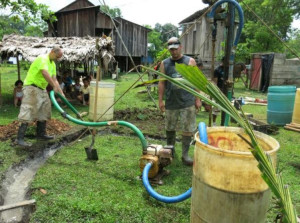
(149, 121)
(54, 127)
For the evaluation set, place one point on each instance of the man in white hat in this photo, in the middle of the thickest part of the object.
(180, 105)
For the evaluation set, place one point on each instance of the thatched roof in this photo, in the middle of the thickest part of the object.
(76, 50)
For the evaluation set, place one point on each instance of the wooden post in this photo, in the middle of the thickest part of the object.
(98, 76)
(117, 70)
(18, 65)
(72, 70)
(92, 67)
(0, 91)
(85, 68)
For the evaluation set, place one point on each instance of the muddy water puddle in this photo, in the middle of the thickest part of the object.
(17, 183)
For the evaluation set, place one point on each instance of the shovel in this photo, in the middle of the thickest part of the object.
(91, 153)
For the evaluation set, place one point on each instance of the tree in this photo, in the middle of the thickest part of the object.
(166, 31)
(294, 43)
(154, 42)
(277, 14)
(28, 10)
(9, 25)
(24, 18)
(158, 37)
(113, 12)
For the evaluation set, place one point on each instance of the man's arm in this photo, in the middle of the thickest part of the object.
(161, 89)
(52, 81)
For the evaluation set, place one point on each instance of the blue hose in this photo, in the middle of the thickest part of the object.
(181, 197)
(241, 17)
(156, 195)
(202, 132)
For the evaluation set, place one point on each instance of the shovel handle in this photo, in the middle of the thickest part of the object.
(96, 95)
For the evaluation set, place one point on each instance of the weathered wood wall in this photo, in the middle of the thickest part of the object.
(82, 18)
(134, 37)
(103, 21)
(76, 23)
(198, 41)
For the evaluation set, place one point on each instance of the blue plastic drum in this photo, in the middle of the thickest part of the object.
(280, 104)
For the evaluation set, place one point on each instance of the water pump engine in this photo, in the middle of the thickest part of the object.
(160, 157)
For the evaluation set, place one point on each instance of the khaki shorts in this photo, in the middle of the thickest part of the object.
(36, 105)
(181, 119)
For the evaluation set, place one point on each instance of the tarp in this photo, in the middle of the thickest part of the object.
(267, 61)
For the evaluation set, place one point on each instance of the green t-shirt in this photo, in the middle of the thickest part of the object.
(35, 76)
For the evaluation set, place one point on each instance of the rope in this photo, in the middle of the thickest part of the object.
(188, 30)
(293, 52)
(135, 67)
(140, 76)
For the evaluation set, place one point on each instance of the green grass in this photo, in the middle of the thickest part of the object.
(108, 190)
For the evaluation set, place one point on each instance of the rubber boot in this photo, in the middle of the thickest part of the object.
(171, 140)
(41, 131)
(186, 140)
(20, 137)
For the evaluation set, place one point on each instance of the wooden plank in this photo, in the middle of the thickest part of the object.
(254, 103)
(17, 205)
(291, 128)
(295, 125)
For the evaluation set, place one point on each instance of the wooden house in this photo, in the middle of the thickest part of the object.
(82, 18)
(135, 38)
(198, 41)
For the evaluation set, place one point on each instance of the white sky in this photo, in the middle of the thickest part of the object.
(147, 12)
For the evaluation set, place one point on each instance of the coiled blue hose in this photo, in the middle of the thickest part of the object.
(158, 196)
(181, 197)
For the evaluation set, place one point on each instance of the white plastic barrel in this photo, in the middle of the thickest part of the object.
(106, 95)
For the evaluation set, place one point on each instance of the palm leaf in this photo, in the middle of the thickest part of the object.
(198, 80)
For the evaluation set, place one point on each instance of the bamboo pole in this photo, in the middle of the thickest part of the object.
(98, 76)
(17, 205)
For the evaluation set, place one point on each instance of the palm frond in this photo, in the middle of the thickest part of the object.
(198, 80)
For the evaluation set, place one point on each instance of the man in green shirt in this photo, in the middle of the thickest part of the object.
(36, 104)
